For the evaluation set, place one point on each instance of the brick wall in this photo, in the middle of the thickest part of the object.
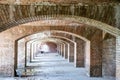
(109, 57)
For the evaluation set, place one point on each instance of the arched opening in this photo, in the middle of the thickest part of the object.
(48, 47)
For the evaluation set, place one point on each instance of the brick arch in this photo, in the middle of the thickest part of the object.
(56, 31)
(100, 25)
(51, 38)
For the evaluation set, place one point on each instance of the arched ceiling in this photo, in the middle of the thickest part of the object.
(68, 20)
(53, 39)
(12, 14)
(47, 34)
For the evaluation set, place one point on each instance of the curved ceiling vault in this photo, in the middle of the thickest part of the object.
(48, 34)
(53, 1)
(55, 39)
(76, 20)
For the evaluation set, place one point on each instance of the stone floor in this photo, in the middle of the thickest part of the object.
(53, 67)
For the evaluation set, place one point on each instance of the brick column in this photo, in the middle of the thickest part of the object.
(58, 48)
(31, 52)
(64, 46)
(21, 54)
(61, 49)
(87, 57)
(109, 57)
(118, 58)
(66, 50)
(25, 54)
(96, 54)
(72, 52)
(80, 52)
(34, 50)
(28, 52)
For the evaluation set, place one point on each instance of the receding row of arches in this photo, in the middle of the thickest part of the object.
(84, 45)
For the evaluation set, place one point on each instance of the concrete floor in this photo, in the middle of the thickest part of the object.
(54, 67)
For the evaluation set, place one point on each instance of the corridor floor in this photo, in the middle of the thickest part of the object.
(51, 66)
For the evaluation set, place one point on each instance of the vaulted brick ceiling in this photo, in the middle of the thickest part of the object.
(13, 15)
(57, 1)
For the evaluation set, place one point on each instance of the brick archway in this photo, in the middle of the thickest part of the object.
(102, 26)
